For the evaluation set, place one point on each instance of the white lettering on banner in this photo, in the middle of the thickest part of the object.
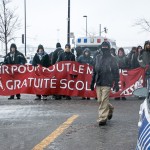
(68, 66)
(74, 68)
(89, 70)
(24, 83)
(5, 69)
(37, 83)
(23, 70)
(13, 69)
(78, 83)
(53, 83)
(86, 86)
(17, 84)
(134, 86)
(81, 69)
(30, 82)
(41, 83)
(124, 72)
(63, 84)
(62, 68)
(32, 68)
(9, 85)
(46, 80)
(1, 85)
(69, 85)
(50, 69)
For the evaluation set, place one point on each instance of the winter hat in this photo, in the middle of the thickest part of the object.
(139, 47)
(147, 42)
(58, 45)
(13, 46)
(105, 44)
(40, 47)
(68, 45)
(86, 50)
(122, 50)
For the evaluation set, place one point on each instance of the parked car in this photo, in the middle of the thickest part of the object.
(143, 141)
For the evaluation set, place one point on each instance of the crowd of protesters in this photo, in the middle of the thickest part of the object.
(106, 63)
(138, 57)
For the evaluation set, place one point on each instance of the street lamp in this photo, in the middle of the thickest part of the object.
(86, 24)
(68, 19)
(25, 26)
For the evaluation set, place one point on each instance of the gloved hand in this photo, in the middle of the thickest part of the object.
(116, 87)
(92, 86)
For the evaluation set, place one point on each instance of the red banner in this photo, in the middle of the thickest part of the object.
(63, 78)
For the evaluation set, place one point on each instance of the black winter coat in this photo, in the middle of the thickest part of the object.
(66, 56)
(133, 59)
(18, 58)
(56, 54)
(45, 62)
(107, 73)
(85, 60)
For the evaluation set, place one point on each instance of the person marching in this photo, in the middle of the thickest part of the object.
(66, 56)
(14, 57)
(105, 75)
(41, 58)
(86, 58)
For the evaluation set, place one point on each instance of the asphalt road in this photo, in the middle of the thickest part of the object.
(25, 123)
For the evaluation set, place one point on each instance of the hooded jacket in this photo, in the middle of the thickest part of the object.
(86, 59)
(42, 60)
(66, 56)
(105, 70)
(133, 58)
(14, 58)
(122, 61)
(145, 56)
(56, 53)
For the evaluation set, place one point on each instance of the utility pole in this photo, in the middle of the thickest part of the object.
(86, 24)
(25, 26)
(68, 29)
(100, 30)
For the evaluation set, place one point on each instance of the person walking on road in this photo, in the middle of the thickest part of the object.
(105, 75)
(56, 53)
(41, 58)
(123, 63)
(144, 61)
(66, 56)
(133, 57)
(86, 59)
(14, 57)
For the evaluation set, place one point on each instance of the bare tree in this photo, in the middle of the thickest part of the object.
(9, 23)
(144, 24)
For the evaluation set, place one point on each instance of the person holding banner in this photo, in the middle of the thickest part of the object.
(86, 58)
(105, 75)
(14, 57)
(144, 61)
(123, 63)
(41, 58)
(66, 56)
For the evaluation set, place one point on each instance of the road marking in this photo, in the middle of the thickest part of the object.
(49, 139)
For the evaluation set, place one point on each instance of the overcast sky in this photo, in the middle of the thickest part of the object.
(47, 20)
